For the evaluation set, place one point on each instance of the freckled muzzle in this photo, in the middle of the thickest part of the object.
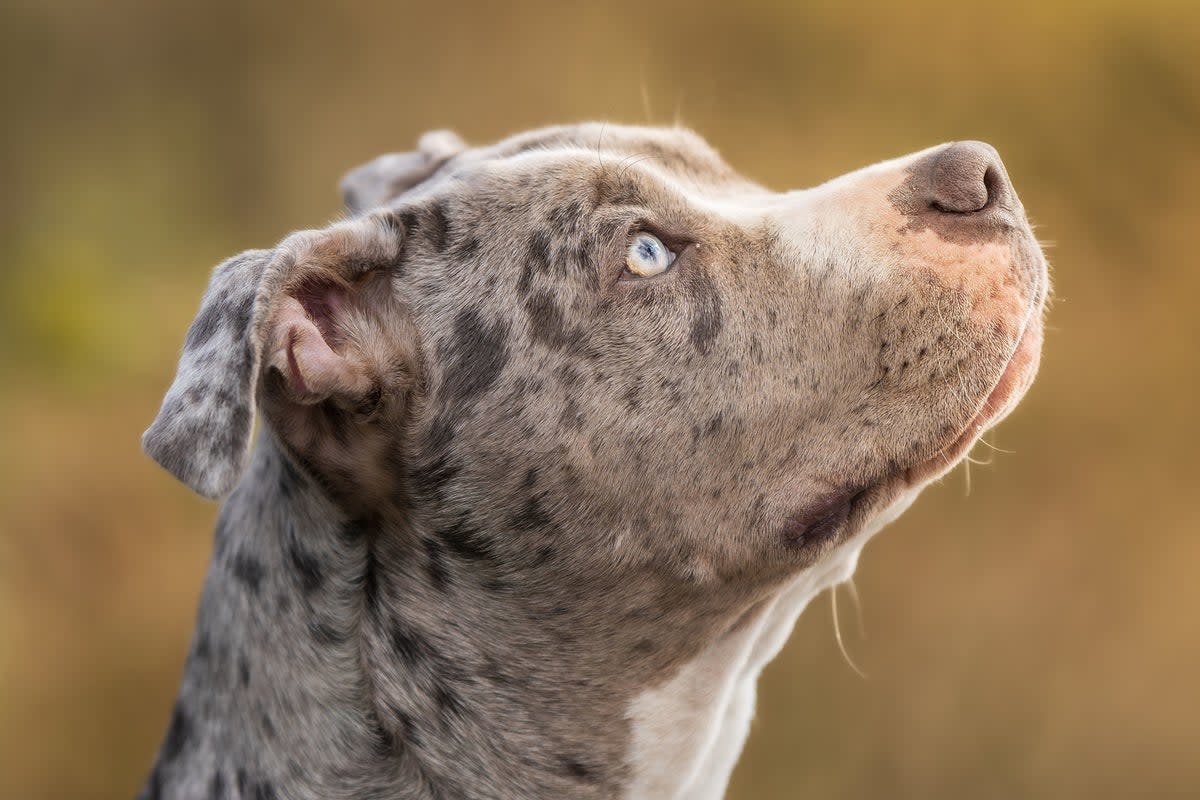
(962, 195)
(923, 284)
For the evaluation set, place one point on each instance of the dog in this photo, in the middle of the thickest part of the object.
(558, 437)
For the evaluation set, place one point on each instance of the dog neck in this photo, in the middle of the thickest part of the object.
(338, 657)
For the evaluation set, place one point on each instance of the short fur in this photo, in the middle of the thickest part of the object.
(520, 525)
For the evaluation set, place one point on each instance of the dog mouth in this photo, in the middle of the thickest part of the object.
(828, 520)
(1009, 389)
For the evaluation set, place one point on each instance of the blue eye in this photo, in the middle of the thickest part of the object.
(648, 256)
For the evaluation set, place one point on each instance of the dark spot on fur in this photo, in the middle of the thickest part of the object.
(578, 770)
(247, 569)
(537, 260)
(544, 554)
(225, 397)
(494, 672)
(179, 733)
(435, 564)
(546, 323)
(249, 789)
(631, 396)
(244, 670)
(567, 375)
(479, 354)
(216, 786)
(325, 634)
(756, 350)
(392, 222)
(408, 646)
(408, 221)
(203, 647)
(432, 479)
(242, 314)
(439, 469)
(449, 703)
(531, 516)
(438, 437)
(466, 248)
(232, 444)
(466, 542)
(306, 565)
(436, 226)
(205, 325)
(382, 742)
(714, 425)
(571, 417)
(153, 789)
(335, 424)
(408, 727)
(611, 187)
(289, 479)
(370, 582)
(566, 218)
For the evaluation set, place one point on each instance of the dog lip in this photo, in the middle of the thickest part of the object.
(1012, 382)
(823, 521)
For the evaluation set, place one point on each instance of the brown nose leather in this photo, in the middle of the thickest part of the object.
(966, 178)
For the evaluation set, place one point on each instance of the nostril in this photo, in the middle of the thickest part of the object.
(993, 182)
(964, 178)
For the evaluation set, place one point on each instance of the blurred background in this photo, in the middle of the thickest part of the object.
(1038, 638)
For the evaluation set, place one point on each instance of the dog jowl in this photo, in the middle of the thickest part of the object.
(557, 437)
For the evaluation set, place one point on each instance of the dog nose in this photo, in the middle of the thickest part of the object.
(966, 178)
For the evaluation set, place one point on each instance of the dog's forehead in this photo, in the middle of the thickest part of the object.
(674, 153)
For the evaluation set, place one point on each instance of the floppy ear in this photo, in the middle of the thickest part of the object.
(378, 182)
(300, 310)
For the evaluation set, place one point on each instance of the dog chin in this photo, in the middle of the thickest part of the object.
(842, 514)
(1008, 391)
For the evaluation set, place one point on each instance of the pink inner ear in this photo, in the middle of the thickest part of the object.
(301, 351)
(323, 302)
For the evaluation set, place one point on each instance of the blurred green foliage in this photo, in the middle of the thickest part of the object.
(1039, 638)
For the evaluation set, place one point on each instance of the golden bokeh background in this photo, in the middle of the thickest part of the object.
(1039, 638)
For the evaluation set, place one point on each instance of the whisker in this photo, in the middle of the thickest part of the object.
(837, 632)
(599, 142)
(632, 161)
(994, 447)
(852, 588)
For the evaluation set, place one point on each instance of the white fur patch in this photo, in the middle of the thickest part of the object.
(689, 731)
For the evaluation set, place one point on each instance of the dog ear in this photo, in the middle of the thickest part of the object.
(380, 181)
(310, 310)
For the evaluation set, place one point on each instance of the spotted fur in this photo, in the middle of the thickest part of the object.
(521, 525)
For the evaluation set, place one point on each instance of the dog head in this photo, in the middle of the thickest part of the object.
(603, 343)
